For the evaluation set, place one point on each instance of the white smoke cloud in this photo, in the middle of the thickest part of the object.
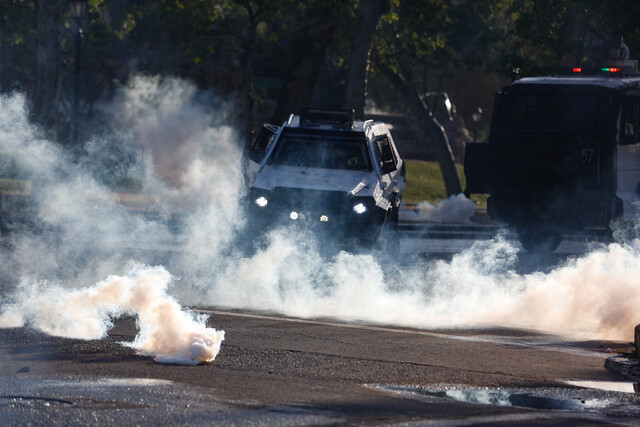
(78, 233)
(174, 141)
(456, 209)
(193, 157)
(595, 295)
(181, 132)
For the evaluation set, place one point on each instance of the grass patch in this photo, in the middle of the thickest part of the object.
(424, 182)
(15, 185)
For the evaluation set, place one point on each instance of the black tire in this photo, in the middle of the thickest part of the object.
(534, 240)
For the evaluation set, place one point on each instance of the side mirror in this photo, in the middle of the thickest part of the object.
(386, 155)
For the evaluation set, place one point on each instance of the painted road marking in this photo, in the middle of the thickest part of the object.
(543, 342)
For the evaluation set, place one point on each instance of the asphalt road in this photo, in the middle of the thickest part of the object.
(282, 371)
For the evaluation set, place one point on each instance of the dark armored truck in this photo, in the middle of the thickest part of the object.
(563, 153)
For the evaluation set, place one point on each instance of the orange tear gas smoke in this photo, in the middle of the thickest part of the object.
(166, 331)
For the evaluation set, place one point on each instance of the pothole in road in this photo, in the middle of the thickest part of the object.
(499, 397)
(577, 400)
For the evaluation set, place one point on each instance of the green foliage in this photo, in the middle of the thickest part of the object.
(545, 30)
(18, 38)
(436, 44)
(227, 44)
(409, 33)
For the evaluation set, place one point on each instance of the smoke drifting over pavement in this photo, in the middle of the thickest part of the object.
(173, 141)
(456, 209)
(592, 296)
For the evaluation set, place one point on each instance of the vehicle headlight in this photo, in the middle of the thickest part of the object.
(359, 208)
(262, 201)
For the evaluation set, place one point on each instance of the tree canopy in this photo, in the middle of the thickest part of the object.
(274, 56)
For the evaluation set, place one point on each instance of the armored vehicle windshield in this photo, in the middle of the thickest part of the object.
(325, 150)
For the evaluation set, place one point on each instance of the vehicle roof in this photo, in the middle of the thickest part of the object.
(606, 82)
(358, 126)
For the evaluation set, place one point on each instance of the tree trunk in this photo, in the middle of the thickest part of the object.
(298, 88)
(249, 89)
(572, 32)
(433, 130)
(436, 132)
(356, 91)
(47, 67)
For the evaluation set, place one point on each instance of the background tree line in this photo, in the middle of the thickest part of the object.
(273, 56)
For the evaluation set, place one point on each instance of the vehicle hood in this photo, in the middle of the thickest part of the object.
(362, 183)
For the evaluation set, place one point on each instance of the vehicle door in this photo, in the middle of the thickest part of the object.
(628, 158)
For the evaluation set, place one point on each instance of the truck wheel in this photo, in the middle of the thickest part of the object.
(538, 241)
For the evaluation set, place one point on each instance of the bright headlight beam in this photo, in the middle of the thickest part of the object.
(262, 201)
(360, 208)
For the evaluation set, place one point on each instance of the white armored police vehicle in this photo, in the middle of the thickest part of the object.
(328, 171)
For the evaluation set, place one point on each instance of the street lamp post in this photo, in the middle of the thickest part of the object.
(78, 13)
